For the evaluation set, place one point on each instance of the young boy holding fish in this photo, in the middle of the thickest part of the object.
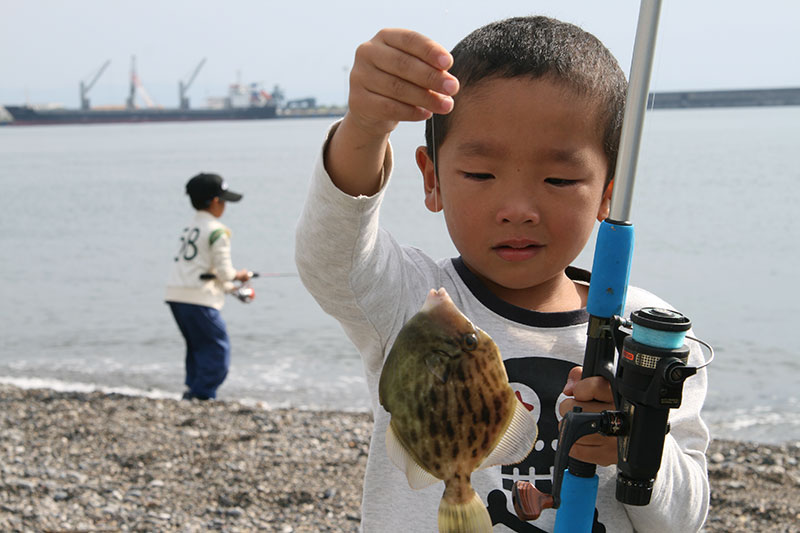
(520, 156)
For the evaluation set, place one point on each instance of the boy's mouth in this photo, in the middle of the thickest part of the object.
(517, 249)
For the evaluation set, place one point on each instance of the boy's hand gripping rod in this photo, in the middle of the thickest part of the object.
(244, 291)
(576, 497)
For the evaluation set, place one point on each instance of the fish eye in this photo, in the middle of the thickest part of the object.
(470, 341)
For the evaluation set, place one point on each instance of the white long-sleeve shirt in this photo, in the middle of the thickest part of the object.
(372, 285)
(205, 249)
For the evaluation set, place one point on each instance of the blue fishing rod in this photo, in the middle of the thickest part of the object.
(651, 367)
(575, 489)
(648, 379)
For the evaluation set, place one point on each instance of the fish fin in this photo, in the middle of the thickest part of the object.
(472, 516)
(439, 365)
(517, 441)
(418, 477)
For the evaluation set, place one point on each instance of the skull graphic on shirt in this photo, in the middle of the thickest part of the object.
(538, 383)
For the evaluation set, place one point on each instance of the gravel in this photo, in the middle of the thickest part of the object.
(96, 462)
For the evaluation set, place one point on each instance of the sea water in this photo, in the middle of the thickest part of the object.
(91, 217)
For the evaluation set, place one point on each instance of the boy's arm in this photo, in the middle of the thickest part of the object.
(220, 249)
(344, 260)
(399, 75)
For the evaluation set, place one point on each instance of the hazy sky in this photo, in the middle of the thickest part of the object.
(48, 46)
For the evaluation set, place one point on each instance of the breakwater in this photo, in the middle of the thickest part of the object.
(725, 98)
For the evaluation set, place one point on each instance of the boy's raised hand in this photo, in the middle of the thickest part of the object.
(398, 75)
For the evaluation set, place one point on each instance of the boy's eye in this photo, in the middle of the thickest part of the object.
(560, 182)
(478, 175)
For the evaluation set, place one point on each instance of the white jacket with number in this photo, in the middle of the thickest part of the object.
(205, 248)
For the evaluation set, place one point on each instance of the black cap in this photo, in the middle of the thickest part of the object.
(203, 187)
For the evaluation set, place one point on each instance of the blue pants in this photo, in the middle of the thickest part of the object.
(208, 349)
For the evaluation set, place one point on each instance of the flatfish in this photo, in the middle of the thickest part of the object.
(452, 409)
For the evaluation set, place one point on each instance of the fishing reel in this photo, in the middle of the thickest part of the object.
(646, 383)
(244, 292)
(650, 373)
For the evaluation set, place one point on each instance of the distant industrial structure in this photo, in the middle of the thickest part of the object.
(243, 102)
(725, 98)
(86, 87)
(251, 101)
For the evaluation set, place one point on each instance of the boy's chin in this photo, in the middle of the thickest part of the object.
(521, 281)
(507, 281)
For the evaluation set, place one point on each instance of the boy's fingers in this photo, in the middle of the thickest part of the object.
(397, 89)
(410, 68)
(399, 75)
(595, 388)
(573, 377)
(600, 450)
(417, 45)
(392, 110)
(407, 56)
(568, 404)
(587, 406)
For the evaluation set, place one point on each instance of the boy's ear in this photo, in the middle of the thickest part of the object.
(433, 195)
(605, 204)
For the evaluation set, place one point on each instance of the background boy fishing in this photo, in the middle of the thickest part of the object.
(520, 158)
(201, 275)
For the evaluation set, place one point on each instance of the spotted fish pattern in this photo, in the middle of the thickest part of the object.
(452, 409)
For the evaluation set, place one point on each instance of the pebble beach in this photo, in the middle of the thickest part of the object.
(95, 462)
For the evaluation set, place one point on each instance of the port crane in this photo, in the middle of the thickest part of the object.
(86, 87)
(183, 87)
(136, 85)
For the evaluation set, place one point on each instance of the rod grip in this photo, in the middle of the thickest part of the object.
(610, 269)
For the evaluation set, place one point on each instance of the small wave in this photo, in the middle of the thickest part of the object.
(74, 386)
(156, 394)
(759, 424)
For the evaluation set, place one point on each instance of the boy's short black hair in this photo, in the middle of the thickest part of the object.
(540, 47)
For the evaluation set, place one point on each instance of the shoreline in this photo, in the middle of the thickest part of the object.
(767, 436)
(95, 461)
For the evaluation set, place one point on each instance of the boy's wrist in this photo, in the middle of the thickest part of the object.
(366, 130)
(354, 157)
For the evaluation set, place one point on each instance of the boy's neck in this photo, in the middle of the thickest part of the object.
(558, 294)
(213, 211)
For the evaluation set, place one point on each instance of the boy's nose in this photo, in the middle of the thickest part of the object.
(518, 209)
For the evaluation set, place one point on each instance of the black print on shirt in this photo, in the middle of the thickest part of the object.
(188, 249)
(537, 382)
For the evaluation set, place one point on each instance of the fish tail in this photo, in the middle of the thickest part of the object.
(464, 517)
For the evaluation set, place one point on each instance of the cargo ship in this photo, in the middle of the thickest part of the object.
(25, 115)
(244, 102)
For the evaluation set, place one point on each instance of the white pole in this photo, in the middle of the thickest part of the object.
(635, 106)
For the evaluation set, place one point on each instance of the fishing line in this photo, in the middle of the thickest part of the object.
(433, 145)
(435, 165)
